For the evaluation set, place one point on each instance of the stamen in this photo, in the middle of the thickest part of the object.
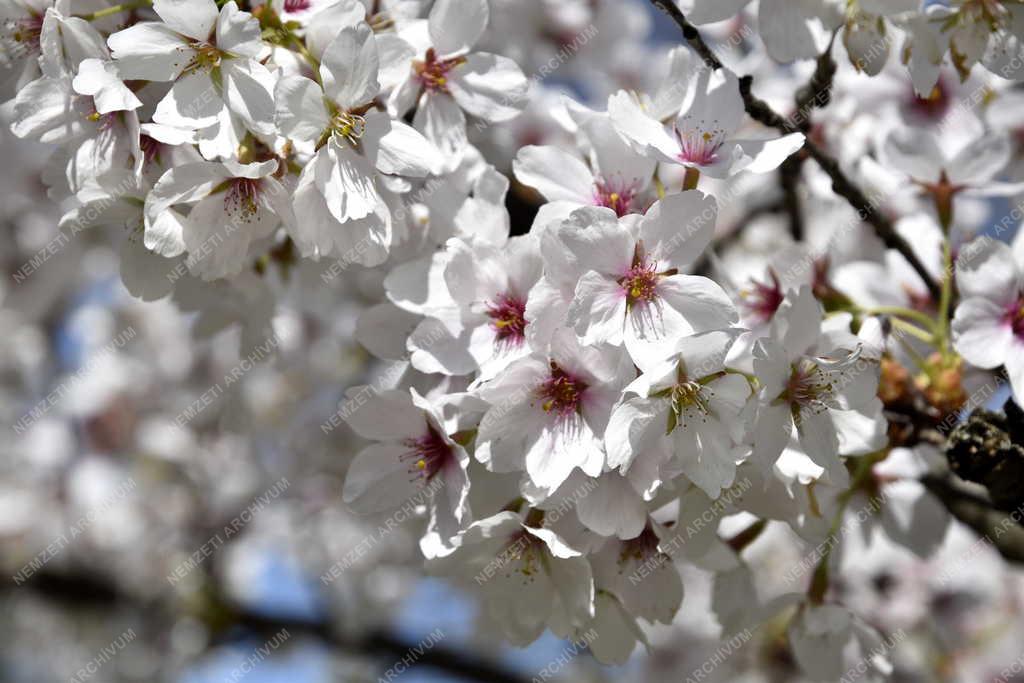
(700, 144)
(615, 195)
(433, 72)
(561, 394)
(241, 198)
(427, 454)
(508, 318)
(760, 300)
(348, 126)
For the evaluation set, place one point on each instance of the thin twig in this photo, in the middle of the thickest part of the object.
(760, 111)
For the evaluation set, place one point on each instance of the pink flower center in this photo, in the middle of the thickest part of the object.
(433, 72)
(699, 145)
(807, 386)
(615, 195)
(640, 282)
(934, 106)
(23, 35)
(150, 147)
(760, 300)
(508, 318)
(296, 5)
(427, 455)
(1015, 317)
(561, 393)
(241, 198)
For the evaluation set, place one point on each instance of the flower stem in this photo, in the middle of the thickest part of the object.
(946, 297)
(914, 330)
(691, 178)
(909, 313)
(116, 9)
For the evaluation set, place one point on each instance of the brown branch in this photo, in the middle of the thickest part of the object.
(1000, 529)
(760, 111)
(87, 589)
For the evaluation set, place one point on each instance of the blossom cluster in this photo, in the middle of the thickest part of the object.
(598, 396)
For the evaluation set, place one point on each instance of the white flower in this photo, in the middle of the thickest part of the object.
(947, 163)
(211, 57)
(416, 454)
(819, 379)
(829, 642)
(617, 177)
(487, 328)
(702, 136)
(549, 411)
(529, 576)
(988, 326)
(686, 409)
(234, 205)
(338, 203)
(631, 291)
(448, 78)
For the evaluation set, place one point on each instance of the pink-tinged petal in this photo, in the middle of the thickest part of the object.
(982, 334)
(555, 173)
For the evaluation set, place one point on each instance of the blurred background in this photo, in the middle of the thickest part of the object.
(170, 476)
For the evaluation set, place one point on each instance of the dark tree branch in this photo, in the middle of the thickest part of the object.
(1002, 530)
(86, 589)
(760, 111)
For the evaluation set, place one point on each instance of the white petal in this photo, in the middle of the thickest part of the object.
(300, 109)
(238, 33)
(982, 335)
(192, 18)
(442, 122)
(456, 25)
(490, 87)
(349, 67)
(555, 173)
(149, 51)
(399, 149)
(647, 135)
(598, 310)
(678, 228)
(192, 102)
